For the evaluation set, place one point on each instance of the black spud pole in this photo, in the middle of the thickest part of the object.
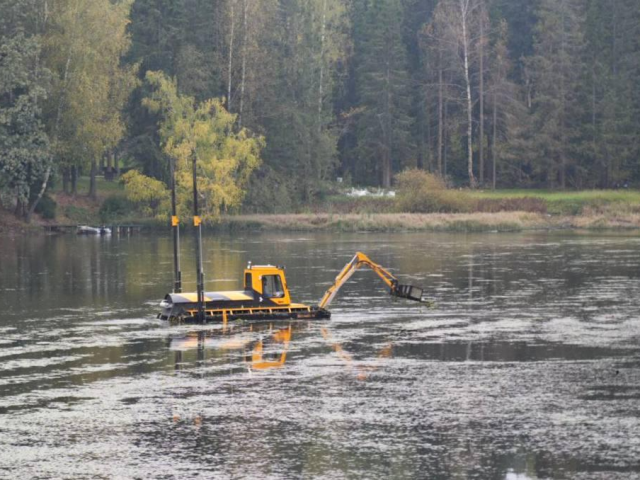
(197, 222)
(175, 226)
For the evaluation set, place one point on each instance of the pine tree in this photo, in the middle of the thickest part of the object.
(612, 71)
(306, 40)
(558, 70)
(383, 126)
(509, 118)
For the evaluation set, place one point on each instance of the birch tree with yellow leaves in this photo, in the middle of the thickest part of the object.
(225, 157)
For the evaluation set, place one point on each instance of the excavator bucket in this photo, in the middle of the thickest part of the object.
(409, 292)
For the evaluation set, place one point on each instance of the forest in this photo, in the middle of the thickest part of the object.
(281, 100)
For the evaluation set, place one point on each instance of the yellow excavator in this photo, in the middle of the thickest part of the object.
(266, 296)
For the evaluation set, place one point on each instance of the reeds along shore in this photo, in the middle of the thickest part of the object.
(616, 217)
(446, 222)
(401, 222)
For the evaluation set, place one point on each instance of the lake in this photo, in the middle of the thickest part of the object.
(528, 366)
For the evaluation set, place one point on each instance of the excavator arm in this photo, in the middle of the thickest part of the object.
(360, 260)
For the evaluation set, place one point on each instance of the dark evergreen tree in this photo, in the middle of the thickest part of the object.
(383, 125)
(557, 71)
(612, 65)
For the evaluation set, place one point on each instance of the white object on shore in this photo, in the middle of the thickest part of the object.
(364, 192)
(85, 230)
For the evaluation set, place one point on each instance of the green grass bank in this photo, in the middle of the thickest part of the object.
(479, 211)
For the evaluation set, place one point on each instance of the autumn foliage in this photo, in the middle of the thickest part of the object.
(422, 192)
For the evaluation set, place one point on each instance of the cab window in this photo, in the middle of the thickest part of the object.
(272, 286)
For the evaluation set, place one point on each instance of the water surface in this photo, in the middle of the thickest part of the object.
(529, 367)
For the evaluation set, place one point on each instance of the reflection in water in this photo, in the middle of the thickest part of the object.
(362, 371)
(261, 346)
(251, 341)
(258, 361)
(529, 368)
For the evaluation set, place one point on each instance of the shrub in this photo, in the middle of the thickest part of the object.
(269, 192)
(46, 207)
(566, 206)
(347, 205)
(78, 214)
(114, 207)
(422, 192)
(150, 196)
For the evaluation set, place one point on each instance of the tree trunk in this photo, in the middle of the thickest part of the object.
(445, 139)
(440, 117)
(386, 169)
(65, 181)
(386, 161)
(19, 211)
(494, 143)
(74, 180)
(594, 124)
(32, 209)
(321, 79)
(229, 80)
(615, 46)
(481, 93)
(93, 188)
(562, 105)
(244, 61)
(427, 161)
(465, 52)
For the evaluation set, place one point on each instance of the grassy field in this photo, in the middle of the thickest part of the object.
(554, 195)
(105, 188)
(81, 209)
(567, 202)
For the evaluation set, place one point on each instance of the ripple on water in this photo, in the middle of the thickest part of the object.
(528, 368)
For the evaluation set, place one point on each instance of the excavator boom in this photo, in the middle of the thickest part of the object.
(360, 260)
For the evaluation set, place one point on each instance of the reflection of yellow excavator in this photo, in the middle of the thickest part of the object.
(264, 346)
(266, 297)
(258, 362)
(362, 371)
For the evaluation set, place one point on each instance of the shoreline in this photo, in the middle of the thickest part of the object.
(434, 222)
(388, 222)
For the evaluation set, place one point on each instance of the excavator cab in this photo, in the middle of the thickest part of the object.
(268, 283)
